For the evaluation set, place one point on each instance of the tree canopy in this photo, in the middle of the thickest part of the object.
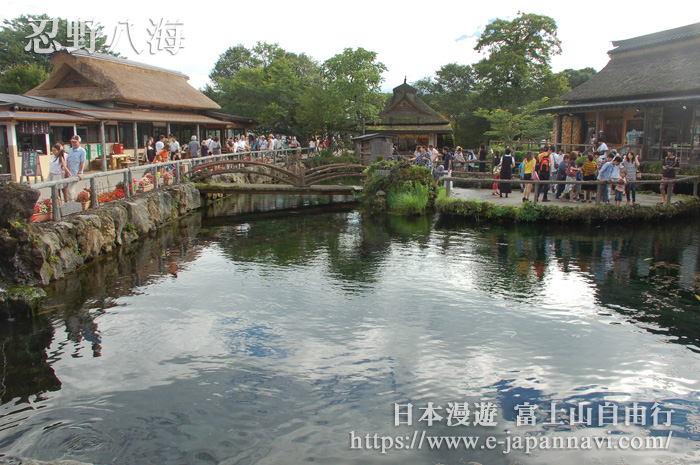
(22, 67)
(293, 94)
(518, 66)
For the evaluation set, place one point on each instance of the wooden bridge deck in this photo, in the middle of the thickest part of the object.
(319, 189)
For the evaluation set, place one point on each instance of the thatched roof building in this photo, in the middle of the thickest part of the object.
(647, 98)
(411, 120)
(96, 77)
(113, 104)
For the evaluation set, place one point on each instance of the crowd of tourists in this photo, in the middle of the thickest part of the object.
(618, 171)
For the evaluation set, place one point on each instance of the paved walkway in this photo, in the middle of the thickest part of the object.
(516, 198)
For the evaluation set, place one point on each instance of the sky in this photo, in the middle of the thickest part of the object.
(413, 39)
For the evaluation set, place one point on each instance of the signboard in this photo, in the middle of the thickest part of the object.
(31, 165)
(33, 127)
(93, 149)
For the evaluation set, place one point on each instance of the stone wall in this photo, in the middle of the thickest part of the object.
(38, 253)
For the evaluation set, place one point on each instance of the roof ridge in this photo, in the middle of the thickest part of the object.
(119, 60)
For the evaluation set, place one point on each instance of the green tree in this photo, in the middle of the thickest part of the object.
(352, 80)
(576, 77)
(13, 40)
(22, 69)
(20, 78)
(452, 93)
(526, 123)
(265, 83)
(518, 67)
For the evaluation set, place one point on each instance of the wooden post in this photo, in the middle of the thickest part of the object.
(130, 178)
(178, 175)
(93, 193)
(136, 144)
(155, 178)
(55, 208)
(669, 190)
(448, 191)
(104, 146)
(536, 189)
(127, 192)
(695, 188)
(599, 191)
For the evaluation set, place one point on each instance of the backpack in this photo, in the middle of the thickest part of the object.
(544, 164)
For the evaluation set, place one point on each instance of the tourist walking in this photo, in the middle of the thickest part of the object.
(671, 165)
(561, 175)
(496, 164)
(631, 167)
(194, 147)
(506, 165)
(605, 175)
(543, 171)
(528, 169)
(75, 160)
(58, 169)
(620, 188)
(216, 146)
(482, 158)
(174, 148)
(589, 170)
(150, 151)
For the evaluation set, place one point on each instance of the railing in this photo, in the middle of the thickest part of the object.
(178, 168)
(600, 184)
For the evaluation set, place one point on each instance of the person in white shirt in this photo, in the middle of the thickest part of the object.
(241, 144)
(174, 148)
(160, 144)
(209, 141)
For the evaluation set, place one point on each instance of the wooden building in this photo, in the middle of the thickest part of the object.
(107, 100)
(412, 121)
(370, 146)
(646, 99)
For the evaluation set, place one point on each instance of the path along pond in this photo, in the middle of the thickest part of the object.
(302, 337)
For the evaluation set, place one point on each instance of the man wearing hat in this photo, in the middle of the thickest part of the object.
(75, 160)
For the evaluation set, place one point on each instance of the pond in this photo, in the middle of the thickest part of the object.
(318, 334)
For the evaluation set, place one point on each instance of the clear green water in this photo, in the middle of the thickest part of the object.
(203, 345)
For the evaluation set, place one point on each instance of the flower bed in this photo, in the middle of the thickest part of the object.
(111, 196)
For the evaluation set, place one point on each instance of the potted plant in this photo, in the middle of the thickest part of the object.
(42, 210)
(84, 198)
(167, 178)
(145, 184)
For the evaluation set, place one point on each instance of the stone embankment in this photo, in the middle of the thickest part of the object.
(34, 254)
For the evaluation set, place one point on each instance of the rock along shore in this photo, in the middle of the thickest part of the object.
(34, 254)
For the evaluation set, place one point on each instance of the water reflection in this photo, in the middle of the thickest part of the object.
(203, 344)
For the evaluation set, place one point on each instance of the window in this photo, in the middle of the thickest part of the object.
(613, 130)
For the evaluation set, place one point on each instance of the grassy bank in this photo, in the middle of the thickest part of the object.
(530, 212)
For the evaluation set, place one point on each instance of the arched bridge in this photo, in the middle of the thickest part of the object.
(290, 179)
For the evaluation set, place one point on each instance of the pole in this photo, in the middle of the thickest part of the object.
(93, 193)
(136, 144)
(104, 146)
(56, 208)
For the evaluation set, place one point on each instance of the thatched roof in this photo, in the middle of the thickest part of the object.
(405, 108)
(663, 64)
(95, 77)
